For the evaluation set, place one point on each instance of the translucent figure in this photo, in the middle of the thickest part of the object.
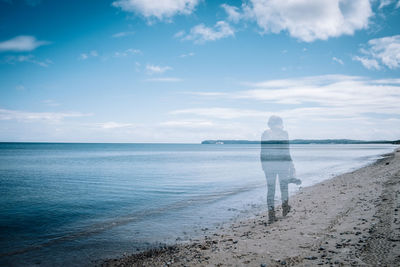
(277, 163)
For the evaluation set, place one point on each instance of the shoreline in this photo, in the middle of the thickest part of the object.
(363, 230)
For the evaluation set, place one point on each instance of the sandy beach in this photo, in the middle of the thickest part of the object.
(351, 219)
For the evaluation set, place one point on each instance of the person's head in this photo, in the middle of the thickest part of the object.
(275, 122)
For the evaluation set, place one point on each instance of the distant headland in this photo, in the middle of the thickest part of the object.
(302, 141)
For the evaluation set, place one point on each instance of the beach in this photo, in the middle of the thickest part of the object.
(351, 219)
(199, 133)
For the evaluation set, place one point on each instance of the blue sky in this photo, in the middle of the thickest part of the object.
(189, 70)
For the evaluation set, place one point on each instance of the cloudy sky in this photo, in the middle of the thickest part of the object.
(189, 70)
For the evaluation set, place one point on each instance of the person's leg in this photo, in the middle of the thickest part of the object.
(284, 186)
(271, 180)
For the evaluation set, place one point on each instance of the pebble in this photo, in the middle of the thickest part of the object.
(311, 258)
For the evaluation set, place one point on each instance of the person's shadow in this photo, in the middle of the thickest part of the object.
(277, 162)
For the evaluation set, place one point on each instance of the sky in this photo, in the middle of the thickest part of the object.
(184, 71)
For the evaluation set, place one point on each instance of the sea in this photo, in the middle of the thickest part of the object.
(76, 204)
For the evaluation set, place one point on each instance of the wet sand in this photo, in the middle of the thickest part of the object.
(352, 219)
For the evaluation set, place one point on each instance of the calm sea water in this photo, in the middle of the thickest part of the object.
(75, 203)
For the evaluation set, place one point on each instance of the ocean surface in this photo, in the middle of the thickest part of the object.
(72, 204)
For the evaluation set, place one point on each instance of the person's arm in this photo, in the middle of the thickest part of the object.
(292, 170)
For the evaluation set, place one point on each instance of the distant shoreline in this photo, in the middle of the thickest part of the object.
(302, 141)
(218, 141)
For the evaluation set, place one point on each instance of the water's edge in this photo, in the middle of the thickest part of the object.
(254, 212)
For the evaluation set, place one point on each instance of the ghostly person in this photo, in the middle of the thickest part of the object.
(277, 162)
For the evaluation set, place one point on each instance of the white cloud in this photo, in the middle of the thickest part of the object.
(338, 95)
(51, 103)
(127, 52)
(385, 3)
(85, 56)
(381, 51)
(113, 125)
(154, 69)
(22, 43)
(211, 94)
(6, 114)
(220, 113)
(137, 66)
(200, 33)
(29, 59)
(328, 106)
(388, 81)
(307, 20)
(164, 79)
(387, 50)
(368, 63)
(338, 60)
(122, 34)
(233, 13)
(159, 9)
(354, 95)
(188, 124)
(191, 54)
(179, 34)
